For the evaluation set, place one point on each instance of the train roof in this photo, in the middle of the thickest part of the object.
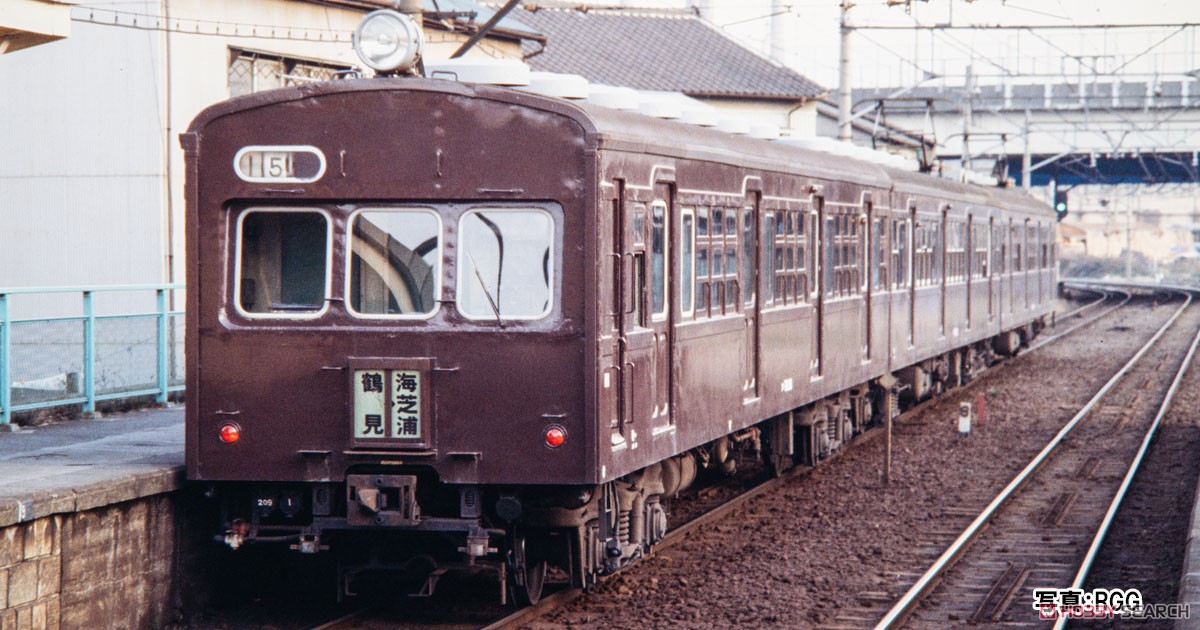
(623, 130)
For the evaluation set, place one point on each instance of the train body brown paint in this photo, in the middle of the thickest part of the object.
(402, 292)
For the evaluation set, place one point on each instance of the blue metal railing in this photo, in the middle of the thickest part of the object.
(52, 342)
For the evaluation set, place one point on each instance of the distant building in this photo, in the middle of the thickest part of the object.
(671, 51)
(91, 178)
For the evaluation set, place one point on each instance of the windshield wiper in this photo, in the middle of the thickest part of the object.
(482, 285)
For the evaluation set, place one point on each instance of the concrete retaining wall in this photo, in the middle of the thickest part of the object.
(112, 566)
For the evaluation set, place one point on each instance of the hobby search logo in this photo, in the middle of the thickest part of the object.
(1076, 603)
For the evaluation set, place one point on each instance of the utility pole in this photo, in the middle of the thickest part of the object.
(1027, 159)
(845, 133)
(1129, 237)
(969, 86)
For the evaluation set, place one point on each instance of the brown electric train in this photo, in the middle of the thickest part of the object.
(491, 330)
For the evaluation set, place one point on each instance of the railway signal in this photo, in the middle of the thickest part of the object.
(1060, 204)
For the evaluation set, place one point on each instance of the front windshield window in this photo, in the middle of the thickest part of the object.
(505, 263)
(283, 262)
(395, 256)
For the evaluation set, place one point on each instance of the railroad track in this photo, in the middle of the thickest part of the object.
(1047, 524)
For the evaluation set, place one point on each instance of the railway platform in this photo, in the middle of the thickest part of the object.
(90, 522)
(1189, 581)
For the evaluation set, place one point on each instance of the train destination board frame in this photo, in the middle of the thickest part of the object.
(390, 403)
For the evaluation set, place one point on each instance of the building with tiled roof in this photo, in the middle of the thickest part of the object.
(669, 51)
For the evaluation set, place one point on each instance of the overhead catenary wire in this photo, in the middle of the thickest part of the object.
(194, 26)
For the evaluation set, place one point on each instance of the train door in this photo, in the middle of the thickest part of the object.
(970, 263)
(612, 342)
(912, 285)
(864, 281)
(1000, 266)
(637, 338)
(818, 284)
(750, 257)
(991, 272)
(1014, 266)
(661, 272)
(901, 295)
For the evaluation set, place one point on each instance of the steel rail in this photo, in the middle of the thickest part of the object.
(1055, 337)
(952, 553)
(1111, 514)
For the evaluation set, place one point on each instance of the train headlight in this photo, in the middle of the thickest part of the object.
(388, 41)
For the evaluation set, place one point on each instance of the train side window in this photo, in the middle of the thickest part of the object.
(979, 244)
(831, 258)
(506, 263)
(956, 251)
(639, 288)
(900, 253)
(1045, 236)
(802, 249)
(999, 249)
(937, 235)
(879, 254)
(1016, 237)
(639, 225)
(658, 254)
(1032, 240)
(771, 287)
(395, 262)
(749, 265)
(283, 262)
(687, 262)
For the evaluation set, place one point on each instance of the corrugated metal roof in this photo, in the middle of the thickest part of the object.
(658, 51)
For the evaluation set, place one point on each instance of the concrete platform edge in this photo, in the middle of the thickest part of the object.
(23, 504)
(1189, 581)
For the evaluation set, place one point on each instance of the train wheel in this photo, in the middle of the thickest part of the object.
(527, 571)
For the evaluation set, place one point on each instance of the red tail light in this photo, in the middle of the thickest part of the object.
(555, 436)
(230, 433)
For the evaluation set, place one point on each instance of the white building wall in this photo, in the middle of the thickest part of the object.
(81, 174)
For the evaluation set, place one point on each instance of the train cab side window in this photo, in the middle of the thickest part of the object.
(395, 262)
(283, 262)
(506, 263)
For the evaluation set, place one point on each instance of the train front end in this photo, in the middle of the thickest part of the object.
(386, 325)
